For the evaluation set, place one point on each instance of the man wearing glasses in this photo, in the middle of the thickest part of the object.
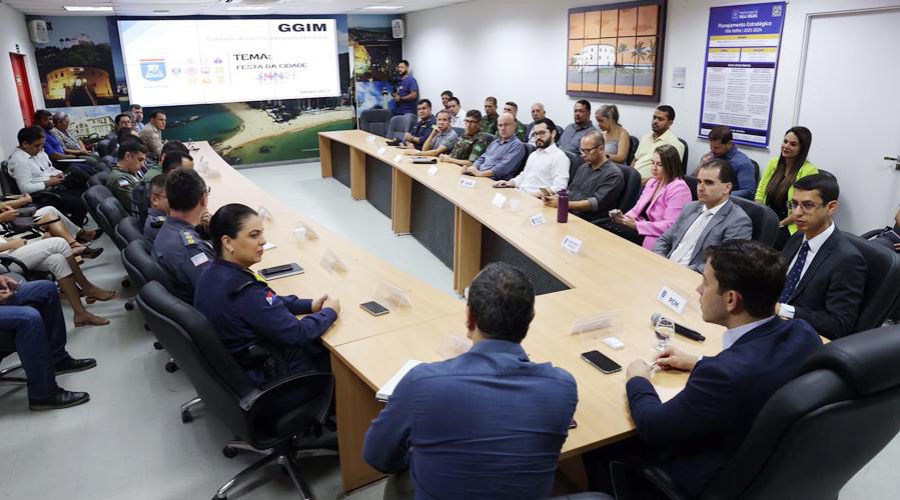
(827, 273)
(597, 185)
(503, 156)
(471, 145)
(547, 168)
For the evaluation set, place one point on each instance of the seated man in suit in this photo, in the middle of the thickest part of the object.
(711, 220)
(503, 156)
(487, 424)
(33, 311)
(703, 426)
(827, 273)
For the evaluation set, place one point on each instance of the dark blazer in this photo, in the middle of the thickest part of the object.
(705, 424)
(831, 291)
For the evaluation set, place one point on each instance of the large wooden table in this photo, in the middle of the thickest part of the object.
(608, 275)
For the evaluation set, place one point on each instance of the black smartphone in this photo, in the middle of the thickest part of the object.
(269, 271)
(374, 308)
(601, 362)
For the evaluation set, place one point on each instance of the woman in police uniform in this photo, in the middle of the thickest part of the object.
(247, 313)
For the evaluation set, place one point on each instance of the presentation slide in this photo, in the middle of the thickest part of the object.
(170, 63)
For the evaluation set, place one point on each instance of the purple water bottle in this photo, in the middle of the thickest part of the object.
(562, 208)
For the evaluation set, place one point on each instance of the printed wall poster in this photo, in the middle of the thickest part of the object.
(375, 54)
(741, 62)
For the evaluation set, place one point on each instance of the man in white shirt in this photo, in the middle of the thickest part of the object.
(827, 274)
(457, 120)
(32, 170)
(712, 219)
(547, 167)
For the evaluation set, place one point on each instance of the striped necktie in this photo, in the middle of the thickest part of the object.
(793, 277)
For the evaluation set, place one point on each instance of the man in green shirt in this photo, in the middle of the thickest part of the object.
(513, 109)
(489, 121)
(124, 175)
(471, 145)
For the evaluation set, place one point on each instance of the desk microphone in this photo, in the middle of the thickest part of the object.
(679, 329)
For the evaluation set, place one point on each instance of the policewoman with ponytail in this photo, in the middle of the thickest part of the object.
(247, 313)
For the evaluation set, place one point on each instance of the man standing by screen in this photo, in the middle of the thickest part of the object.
(406, 94)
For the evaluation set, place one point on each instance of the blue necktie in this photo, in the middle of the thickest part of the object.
(793, 277)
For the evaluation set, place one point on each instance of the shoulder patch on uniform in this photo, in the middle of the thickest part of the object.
(270, 297)
(188, 239)
(123, 182)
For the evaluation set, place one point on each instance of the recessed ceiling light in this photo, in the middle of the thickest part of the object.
(86, 8)
(383, 7)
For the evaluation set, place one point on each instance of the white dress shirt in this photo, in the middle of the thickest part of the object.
(786, 310)
(685, 249)
(547, 168)
(733, 335)
(458, 121)
(31, 172)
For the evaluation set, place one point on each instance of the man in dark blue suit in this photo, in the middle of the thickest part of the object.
(704, 425)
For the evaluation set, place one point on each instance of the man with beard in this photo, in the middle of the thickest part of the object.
(547, 167)
(407, 93)
(663, 118)
(570, 140)
(597, 184)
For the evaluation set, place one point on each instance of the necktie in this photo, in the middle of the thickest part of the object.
(793, 277)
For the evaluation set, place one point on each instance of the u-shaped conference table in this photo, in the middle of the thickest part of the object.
(465, 229)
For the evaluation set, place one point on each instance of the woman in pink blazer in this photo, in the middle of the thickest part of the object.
(661, 201)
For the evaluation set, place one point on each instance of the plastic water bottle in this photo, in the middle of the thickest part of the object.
(562, 208)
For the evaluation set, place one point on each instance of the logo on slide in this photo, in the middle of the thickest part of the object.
(153, 70)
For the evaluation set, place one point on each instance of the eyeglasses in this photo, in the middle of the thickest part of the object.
(588, 150)
(806, 206)
(541, 133)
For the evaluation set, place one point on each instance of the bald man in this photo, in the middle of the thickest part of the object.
(503, 156)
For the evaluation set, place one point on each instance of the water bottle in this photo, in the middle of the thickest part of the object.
(562, 208)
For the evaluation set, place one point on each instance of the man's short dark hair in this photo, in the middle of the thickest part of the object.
(424, 101)
(584, 103)
(173, 147)
(546, 121)
(453, 99)
(130, 146)
(752, 269)
(29, 135)
(154, 114)
(404, 61)
(825, 184)
(158, 184)
(174, 160)
(448, 93)
(501, 299)
(125, 133)
(513, 104)
(41, 114)
(726, 172)
(184, 189)
(135, 106)
(491, 99)
(720, 133)
(668, 110)
(474, 114)
(120, 116)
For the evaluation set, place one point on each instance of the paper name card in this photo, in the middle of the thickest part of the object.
(537, 219)
(394, 297)
(499, 200)
(594, 322)
(370, 139)
(398, 158)
(571, 244)
(433, 170)
(467, 182)
(387, 389)
(332, 263)
(672, 300)
(381, 151)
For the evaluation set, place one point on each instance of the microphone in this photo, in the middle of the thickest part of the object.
(679, 329)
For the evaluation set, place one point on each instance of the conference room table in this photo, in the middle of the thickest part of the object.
(465, 229)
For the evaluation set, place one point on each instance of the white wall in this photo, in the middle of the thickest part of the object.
(13, 31)
(516, 50)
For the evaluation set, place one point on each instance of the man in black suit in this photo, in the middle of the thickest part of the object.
(827, 274)
(704, 425)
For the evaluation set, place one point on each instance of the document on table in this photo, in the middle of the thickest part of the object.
(387, 389)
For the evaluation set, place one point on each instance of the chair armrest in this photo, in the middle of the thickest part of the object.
(276, 386)
(871, 234)
(6, 260)
(44, 196)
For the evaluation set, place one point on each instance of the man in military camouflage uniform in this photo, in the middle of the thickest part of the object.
(471, 145)
(513, 109)
(126, 173)
(489, 121)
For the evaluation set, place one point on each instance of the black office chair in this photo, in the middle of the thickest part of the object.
(129, 229)
(92, 198)
(633, 143)
(10, 188)
(103, 148)
(277, 418)
(375, 121)
(691, 182)
(684, 157)
(111, 214)
(459, 131)
(8, 348)
(817, 431)
(755, 171)
(631, 192)
(764, 220)
(399, 126)
(882, 291)
(98, 179)
(490, 137)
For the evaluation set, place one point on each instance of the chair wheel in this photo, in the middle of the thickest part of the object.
(126, 283)
(229, 452)
(129, 306)
(171, 367)
(186, 417)
(157, 346)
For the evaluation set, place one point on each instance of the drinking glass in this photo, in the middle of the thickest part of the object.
(664, 330)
